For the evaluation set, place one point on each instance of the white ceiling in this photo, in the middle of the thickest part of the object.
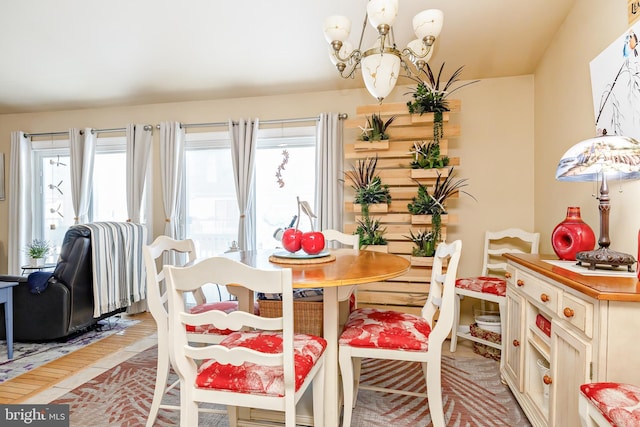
(68, 54)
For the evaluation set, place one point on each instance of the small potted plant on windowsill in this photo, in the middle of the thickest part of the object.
(38, 250)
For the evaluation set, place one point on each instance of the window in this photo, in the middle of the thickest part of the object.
(210, 204)
(53, 208)
(285, 169)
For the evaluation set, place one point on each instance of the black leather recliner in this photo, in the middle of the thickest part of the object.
(65, 307)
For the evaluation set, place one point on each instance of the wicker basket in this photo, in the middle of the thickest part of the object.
(307, 315)
(482, 349)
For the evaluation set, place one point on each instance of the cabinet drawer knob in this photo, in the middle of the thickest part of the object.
(507, 275)
(516, 343)
(568, 312)
(544, 298)
(520, 282)
(547, 379)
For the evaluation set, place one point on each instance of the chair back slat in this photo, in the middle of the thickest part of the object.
(442, 291)
(226, 271)
(498, 243)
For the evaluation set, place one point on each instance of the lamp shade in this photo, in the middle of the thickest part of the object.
(420, 49)
(382, 12)
(428, 23)
(380, 73)
(337, 28)
(617, 157)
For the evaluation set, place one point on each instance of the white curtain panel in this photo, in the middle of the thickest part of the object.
(244, 136)
(138, 149)
(329, 171)
(172, 144)
(20, 201)
(82, 148)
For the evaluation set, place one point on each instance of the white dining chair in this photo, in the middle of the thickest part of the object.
(604, 404)
(261, 365)
(157, 300)
(350, 240)
(491, 285)
(407, 337)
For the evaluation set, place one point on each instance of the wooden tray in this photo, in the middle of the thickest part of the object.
(299, 261)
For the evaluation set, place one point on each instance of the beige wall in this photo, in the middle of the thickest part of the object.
(564, 116)
(496, 125)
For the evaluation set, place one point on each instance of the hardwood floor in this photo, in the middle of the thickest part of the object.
(94, 358)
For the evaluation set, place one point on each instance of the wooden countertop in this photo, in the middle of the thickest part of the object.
(599, 287)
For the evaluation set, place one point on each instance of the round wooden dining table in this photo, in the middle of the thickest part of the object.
(337, 276)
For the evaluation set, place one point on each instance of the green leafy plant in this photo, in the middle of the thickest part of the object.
(369, 190)
(430, 204)
(425, 243)
(367, 185)
(370, 231)
(427, 156)
(376, 129)
(430, 95)
(38, 248)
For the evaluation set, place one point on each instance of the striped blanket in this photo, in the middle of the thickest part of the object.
(118, 271)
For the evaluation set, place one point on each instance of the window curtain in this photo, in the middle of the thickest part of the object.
(82, 149)
(138, 149)
(244, 136)
(20, 201)
(172, 147)
(329, 171)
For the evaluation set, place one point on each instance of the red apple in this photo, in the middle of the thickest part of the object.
(313, 242)
(292, 239)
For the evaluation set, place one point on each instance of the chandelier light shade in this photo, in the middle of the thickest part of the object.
(380, 74)
(382, 64)
(600, 159)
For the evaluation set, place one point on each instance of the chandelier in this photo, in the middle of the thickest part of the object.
(381, 64)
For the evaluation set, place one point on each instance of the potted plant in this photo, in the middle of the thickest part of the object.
(430, 96)
(38, 250)
(369, 190)
(425, 243)
(368, 187)
(427, 156)
(376, 128)
(370, 231)
(435, 204)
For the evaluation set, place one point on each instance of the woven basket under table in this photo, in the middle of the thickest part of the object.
(307, 315)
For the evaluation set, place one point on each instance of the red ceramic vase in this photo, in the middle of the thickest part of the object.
(572, 235)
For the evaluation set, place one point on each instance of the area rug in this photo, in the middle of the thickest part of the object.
(472, 394)
(27, 356)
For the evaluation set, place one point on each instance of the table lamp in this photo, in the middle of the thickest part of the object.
(602, 158)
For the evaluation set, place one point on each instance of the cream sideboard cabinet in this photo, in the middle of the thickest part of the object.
(564, 329)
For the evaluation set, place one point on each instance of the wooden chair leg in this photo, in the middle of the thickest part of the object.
(346, 370)
(162, 373)
(318, 397)
(434, 392)
(456, 322)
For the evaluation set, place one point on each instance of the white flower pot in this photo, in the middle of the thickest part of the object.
(37, 262)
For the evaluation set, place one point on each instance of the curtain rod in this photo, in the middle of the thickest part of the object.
(341, 116)
(146, 127)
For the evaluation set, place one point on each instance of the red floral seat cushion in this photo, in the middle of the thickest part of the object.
(484, 284)
(370, 327)
(226, 306)
(619, 403)
(257, 379)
